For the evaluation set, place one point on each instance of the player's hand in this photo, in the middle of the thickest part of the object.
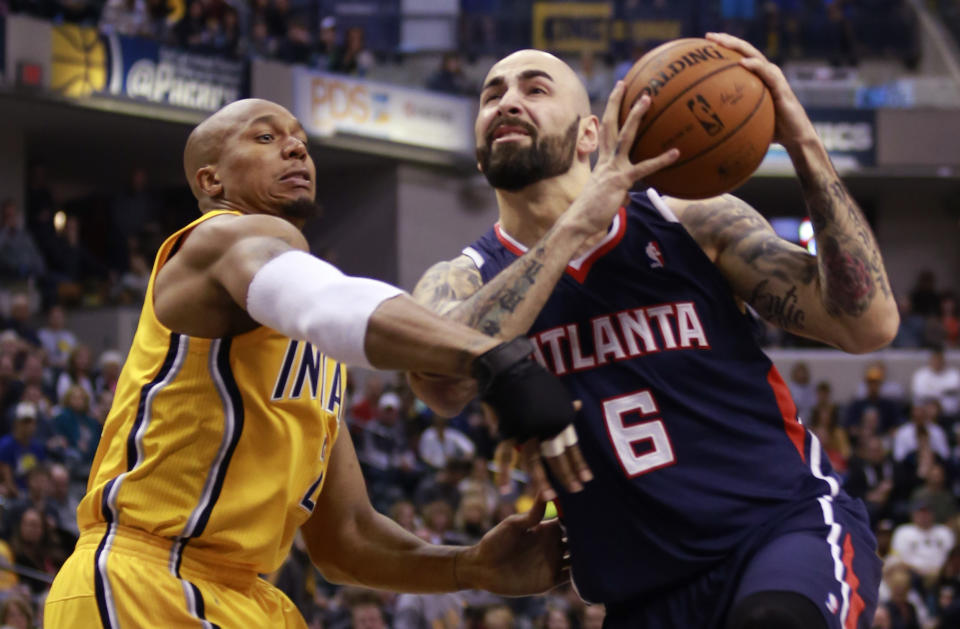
(614, 173)
(520, 556)
(568, 467)
(792, 123)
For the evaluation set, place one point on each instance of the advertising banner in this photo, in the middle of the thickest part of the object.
(85, 63)
(850, 136)
(327, 104)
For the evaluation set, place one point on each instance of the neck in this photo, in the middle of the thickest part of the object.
(227, 204)
(529, 213)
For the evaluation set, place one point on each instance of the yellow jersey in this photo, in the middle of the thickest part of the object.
(215, 444)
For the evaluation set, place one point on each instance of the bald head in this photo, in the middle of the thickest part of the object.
(539, 63)
(207, 138)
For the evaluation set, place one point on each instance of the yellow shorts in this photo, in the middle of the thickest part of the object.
(132, 583)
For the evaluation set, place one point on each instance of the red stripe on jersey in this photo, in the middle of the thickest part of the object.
(851, 578)
(788, 409)
(579, 274)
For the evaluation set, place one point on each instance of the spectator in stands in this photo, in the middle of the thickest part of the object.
(17, 613)
(33, 373)
(55, 338)
(227, 40)
(160, 21)
(37, 496)
(889, 410)
(843, 46)
(825, 424)
(471, 520)
(34, 548)
(110, 364)
(80, 431)
(326, 42)
(78, 372)
(939, 381)
(871, 477)
(426, 611)
(480, 483)
(924, 297)
(191, 33)
(922, 544)
(499, 617)
(934, 492)
(73, 266)
(912, 326)
(948, 591)
(923, 415)
(132, 286)
(125, 17)
(63, 500)
(405, 514)
(296, 46)
(597, 83)
(442, 485)
(889, 388)
(352, 57)
(903, 604)
(20, 320)
(449, 77)
(366, 609)
(389, 464)
(801, 388)
(20, 258)
(440, 443)
(363, 404)
(20, 451)
(134, 210)
(261, 44)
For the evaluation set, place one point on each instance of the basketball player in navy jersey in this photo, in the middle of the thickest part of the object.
(711, 505)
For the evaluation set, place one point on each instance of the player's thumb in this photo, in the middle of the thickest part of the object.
(535, 514)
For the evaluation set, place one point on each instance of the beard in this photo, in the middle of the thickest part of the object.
(302, 209)
(511, 167)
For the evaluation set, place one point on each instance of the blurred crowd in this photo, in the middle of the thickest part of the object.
(310, 33)
(895, 444)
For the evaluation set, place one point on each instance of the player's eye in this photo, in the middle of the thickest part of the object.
(537, 90)
(491, 96)
(265, 137)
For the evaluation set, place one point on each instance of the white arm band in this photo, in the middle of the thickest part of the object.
(305, 298)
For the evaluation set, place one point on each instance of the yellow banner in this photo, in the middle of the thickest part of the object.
(572, 26)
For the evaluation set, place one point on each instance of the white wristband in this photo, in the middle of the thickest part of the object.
(305, 298)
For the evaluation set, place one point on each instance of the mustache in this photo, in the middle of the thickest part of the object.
(513, 122)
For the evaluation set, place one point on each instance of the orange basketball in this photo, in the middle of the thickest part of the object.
(703, 102)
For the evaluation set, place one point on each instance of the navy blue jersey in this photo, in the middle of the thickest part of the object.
(691, 433)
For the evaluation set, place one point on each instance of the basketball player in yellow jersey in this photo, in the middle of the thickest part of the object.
(224, 435)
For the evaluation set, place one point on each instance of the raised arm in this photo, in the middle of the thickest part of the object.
(351, 543)
(509, 303)
(842, 295)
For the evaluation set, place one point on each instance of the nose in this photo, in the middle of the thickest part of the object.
(510, 102)
(293, 148)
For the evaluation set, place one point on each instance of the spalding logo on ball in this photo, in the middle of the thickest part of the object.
(703, 102)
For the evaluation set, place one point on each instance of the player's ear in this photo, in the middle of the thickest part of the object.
(209, 182)
(588, 140)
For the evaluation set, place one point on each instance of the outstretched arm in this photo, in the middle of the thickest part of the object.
(842, 295)
(351, 543)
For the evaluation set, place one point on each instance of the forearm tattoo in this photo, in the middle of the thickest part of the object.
(454, 289)
(851, 268)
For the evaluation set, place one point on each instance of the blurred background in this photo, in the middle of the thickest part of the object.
(97, 99)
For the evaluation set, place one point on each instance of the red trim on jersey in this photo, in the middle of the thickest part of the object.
(579, 274)
(788, 409)
(851, 578)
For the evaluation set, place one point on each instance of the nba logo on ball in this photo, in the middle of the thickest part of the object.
(703, 102)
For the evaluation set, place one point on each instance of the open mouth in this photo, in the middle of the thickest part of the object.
(297, 178)
(509, 133)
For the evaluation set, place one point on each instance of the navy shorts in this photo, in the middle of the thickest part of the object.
(824, 551)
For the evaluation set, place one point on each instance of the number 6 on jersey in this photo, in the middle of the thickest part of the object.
(626, 437)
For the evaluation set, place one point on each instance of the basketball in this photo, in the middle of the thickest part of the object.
(703, 102)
